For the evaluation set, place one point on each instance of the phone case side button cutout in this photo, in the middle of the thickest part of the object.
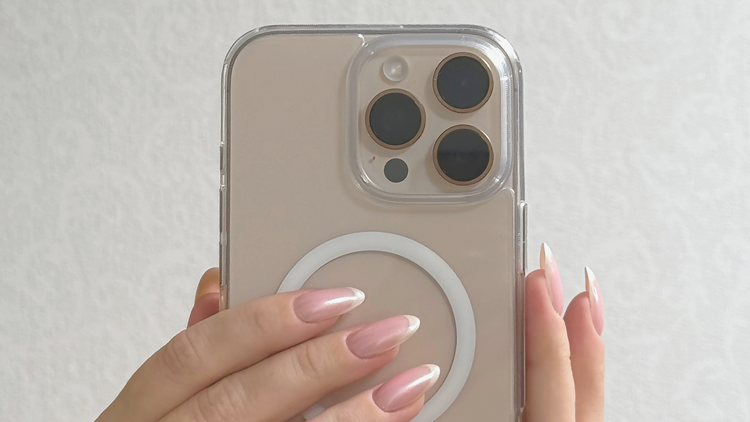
(521, 318)
(524, 232)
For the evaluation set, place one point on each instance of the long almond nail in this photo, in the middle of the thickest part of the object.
(406, 387)
(552, 276)
(321, 305)
(382, 336)
(595, 299)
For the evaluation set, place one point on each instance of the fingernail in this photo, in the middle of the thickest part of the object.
(209, 283)
(321, 305)
(406, 387)
(552, 276)
(382, 336)
(595, 300)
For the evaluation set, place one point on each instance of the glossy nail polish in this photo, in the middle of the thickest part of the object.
(406, 387)
(382, 336)
(595, 300)
(552, 275)
(320, 305)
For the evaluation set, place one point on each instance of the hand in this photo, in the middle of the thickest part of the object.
(564, 355)
(259, 362)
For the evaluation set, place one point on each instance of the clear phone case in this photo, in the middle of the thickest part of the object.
(307, 199)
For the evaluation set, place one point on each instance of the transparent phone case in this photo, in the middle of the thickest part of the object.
(305, 200)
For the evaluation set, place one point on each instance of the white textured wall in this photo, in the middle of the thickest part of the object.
(637, 147)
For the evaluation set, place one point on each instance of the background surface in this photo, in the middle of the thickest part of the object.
(637, 140)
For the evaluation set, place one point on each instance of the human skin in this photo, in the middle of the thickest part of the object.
(263, 361)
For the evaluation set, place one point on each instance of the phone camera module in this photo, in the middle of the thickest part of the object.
(463, 155)
(463, 82)
(395, 119)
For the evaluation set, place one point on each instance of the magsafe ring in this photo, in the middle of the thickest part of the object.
(437, 268)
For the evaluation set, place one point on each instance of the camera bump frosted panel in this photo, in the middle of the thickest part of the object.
(440, 104)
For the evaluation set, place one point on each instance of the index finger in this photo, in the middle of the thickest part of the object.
(550, 392)
(226, 343)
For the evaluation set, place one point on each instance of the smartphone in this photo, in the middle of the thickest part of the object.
(390, 159)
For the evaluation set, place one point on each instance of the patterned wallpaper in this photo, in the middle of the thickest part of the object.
(637, 136)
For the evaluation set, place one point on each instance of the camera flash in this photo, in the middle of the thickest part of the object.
(395, 69)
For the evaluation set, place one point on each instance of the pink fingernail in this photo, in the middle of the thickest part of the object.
(320, 305)
(552, 275)
(382, 336)
(595, 299)
(406, 387)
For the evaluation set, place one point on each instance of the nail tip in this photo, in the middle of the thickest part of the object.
(414, 323)
(590, 278)
(434, 369)
(434, 374)
(359, 296)
(405, 388)
(544, 253)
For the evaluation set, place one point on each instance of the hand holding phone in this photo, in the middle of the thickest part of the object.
(373, 245)
(223, 382)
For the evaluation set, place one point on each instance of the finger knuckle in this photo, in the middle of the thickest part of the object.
(311, 362)
(554, 354)
(559, 352)
(183, 355)
(266, 321)
(550, 348)
(223, 401)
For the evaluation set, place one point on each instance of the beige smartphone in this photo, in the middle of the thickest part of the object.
(386, 158)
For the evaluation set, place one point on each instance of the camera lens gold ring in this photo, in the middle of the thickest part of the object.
(422, 116)
(489, 88)
(448, 132)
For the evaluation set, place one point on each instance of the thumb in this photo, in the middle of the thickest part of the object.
(206, 297)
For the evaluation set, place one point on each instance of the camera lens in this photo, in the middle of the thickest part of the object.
(395, 119)
(463, 82)
(463, 155)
